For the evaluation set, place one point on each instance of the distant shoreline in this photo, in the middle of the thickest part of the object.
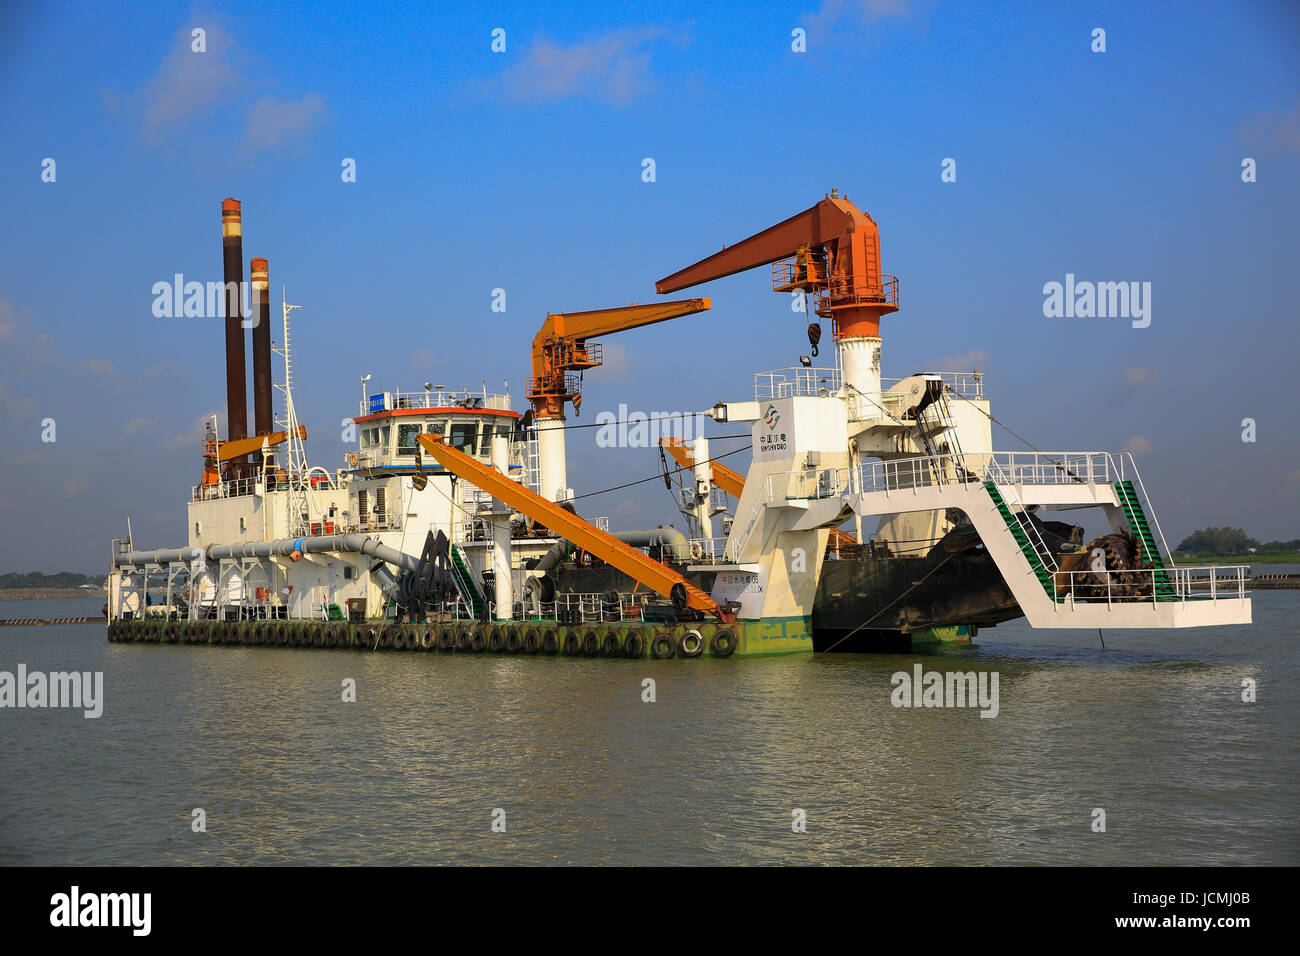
(1243, 559)
(37, 594)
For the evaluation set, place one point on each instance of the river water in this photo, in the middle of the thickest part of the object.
(1152, 730)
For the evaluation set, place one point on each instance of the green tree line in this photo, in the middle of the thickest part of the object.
(1216, 542)
(38, 579)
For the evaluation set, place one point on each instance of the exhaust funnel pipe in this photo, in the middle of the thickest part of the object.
(262, 409)
(232, 248)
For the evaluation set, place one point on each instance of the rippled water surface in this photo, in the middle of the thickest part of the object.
(1152, 729)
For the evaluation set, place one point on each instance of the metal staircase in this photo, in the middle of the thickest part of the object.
(471, 591)
(1131, 505)
(1029, 541)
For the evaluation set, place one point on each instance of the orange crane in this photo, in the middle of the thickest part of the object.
(567, 525)
(831, 252)
(561, 353)
(218, 455)
(560, 348)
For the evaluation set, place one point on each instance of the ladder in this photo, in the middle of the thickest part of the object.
(1029, 541)
(466, 583)
(1137, 522)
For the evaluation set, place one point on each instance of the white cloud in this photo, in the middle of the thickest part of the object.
(1137, 377)
(966, 362)
(832, 13)
(275, 122)
(1137, 445)
(189, 84)
(614, 66)
(138, 425)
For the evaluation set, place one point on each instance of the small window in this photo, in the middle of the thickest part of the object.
(243, 523)
(347, 572)
(436, 428)
(198, 530)
(406, 443)
(384, 434)
(464, 436)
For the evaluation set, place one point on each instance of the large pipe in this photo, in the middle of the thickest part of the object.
(262, 408)
(363, 544)
(664, 536)
(232, 248)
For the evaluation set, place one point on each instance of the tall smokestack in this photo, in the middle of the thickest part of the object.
(232, 247)
(262, 410)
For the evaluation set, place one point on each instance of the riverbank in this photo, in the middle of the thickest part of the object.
(1243, 559)
(42, 594)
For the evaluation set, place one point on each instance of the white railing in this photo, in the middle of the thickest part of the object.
(439, 398)
(956, 384)
(1150, 585)
(808, 483)
(789, 382)
(714, 550)
(236, 488)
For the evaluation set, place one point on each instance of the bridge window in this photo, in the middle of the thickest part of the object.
(464, 436)
(406, 443)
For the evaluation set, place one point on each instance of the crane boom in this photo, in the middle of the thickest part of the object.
(658, 577)
(560, 346)
(833, 252)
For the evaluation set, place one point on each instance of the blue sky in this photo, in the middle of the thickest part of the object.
(522, 170)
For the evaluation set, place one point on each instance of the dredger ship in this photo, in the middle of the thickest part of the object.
(452, 527)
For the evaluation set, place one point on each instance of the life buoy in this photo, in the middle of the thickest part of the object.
(572, 644)
(690, 644)
(550, 643)
(514, 643)
(591, 644)
(611, 646)
(633, 646)
(531, 643)
(723, 644)
(663, 646)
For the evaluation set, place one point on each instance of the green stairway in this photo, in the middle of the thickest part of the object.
(1137, 522)
(465, 582)
(1022, 540)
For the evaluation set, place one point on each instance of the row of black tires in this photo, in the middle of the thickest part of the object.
(456, 637)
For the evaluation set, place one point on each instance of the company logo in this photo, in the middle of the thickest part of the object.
(771, 417)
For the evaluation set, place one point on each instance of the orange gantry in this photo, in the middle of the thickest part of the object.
(573, 529)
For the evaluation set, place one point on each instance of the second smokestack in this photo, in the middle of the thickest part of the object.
(262, 407)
